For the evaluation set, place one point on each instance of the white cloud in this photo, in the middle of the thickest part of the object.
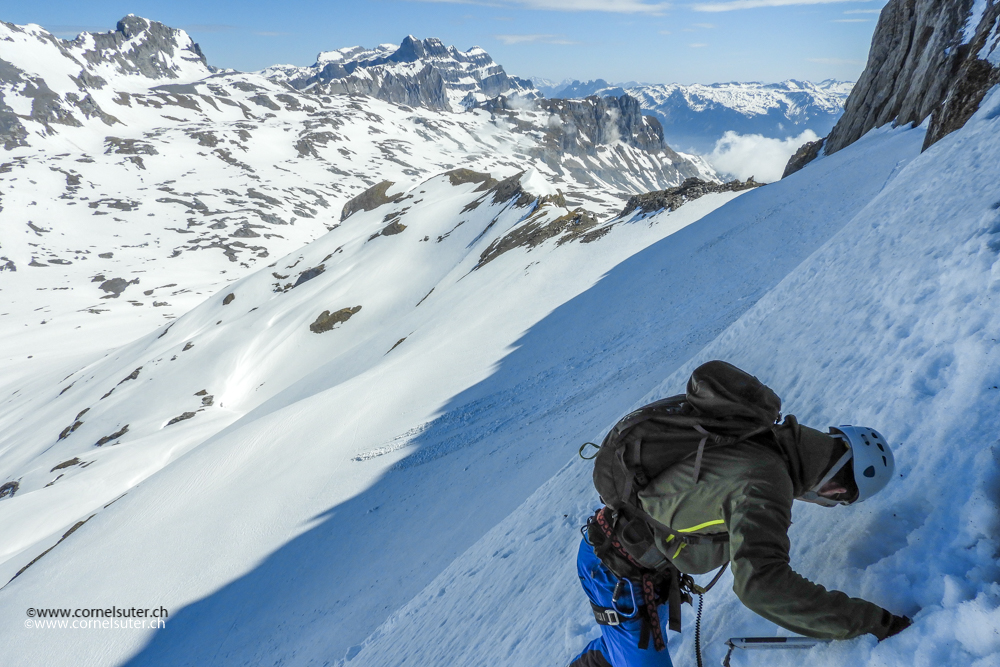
(745, 155)
(615, 6)
(697, 46)
(733, 5)
(534, 39)
(835, 61)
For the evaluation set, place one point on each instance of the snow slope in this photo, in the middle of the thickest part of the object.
(893, 323)
(335, 475)
(130, 209)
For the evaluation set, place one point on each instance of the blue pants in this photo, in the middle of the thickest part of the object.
(618, 644)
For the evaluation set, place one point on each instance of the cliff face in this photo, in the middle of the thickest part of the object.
(418, 73)
(927, 57)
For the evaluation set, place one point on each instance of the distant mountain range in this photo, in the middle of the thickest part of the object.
(417, 72)
(696, 116)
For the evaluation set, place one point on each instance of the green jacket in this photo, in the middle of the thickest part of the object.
(747, 490)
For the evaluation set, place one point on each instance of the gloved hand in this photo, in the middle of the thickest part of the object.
(896, 625)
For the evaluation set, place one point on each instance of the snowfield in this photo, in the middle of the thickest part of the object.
(358, 447)
(893, 323)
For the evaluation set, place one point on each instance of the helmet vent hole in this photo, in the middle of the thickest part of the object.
(869, 471)
(881, 448)
(884, 462)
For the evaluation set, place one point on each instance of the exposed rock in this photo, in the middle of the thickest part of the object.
(180, 418)
(132, 376)
(673, 198)
(921, 62)
(116, 286)
(69, 532)
(309, 274)
(66, 464)
(229, 299)
(535, 231)
(370, 199)
(9, 489)
(975, 78)
(460, 176)
(327, 320)
(805, 154)
(114, 436)
(128, 146)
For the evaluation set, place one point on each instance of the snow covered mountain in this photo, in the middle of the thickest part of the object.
(695, 117)
(417, 73)
(136, 180)
(364, 452)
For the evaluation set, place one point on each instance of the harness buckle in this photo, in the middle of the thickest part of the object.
(611, 617)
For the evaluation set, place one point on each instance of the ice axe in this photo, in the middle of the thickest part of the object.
(770, 642)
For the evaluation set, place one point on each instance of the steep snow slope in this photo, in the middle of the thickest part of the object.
(335, 474)
(893, 323)
(295, 389)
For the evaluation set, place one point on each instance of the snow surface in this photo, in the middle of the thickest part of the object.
(891, 323)
(403, 488)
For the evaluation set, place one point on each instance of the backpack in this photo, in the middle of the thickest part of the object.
(722, 406)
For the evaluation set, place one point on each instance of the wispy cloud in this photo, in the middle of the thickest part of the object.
(534, 39)
(733, 5)
(835, 61)
(852, 20)
(706, 26)
(697, 46)
(614, 6)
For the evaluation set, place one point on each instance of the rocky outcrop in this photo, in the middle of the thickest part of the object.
(927, 57)
(370, 199)
(327, 320)
(805, 154)
(673, 198)
(978, 74)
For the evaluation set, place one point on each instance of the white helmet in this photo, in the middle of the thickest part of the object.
(873, 464)
(873, 460)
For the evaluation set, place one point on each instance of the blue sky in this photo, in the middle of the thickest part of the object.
(701, 41)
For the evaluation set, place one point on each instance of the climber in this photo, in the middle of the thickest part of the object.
(705, 480)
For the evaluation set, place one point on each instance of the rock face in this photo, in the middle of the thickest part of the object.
(927, 57)
(672, 199)
(805, 154)
(417, 73)
(596, 130)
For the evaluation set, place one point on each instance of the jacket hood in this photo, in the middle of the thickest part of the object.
(809, 453)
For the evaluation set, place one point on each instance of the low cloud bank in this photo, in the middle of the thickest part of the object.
(744, 155)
